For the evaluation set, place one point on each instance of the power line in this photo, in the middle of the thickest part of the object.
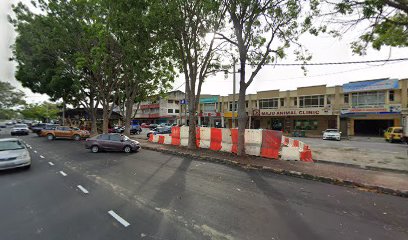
(336, 63)
(179, 86)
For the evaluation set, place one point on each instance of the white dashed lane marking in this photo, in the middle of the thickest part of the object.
(51, 163)
(83, 189)
(63, 173)
(41, 156)
(119, 218)
(35, 151)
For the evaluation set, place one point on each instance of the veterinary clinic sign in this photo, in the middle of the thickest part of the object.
(295, 112)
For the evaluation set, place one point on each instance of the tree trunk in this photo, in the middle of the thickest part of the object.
(105, 114)
(192, 122)
(128, 115)
(242, 120)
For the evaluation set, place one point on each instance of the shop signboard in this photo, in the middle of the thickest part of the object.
(209, 100)
(393, 108)
(295, 112)
(210, 114)
(372, 85)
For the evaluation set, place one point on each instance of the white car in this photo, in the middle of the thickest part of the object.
(13, 154)
(20, 129)
(333, 134)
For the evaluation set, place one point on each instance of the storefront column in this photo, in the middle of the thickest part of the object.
(338, 122)
(199, 121)
(222, 122)
(249, 125)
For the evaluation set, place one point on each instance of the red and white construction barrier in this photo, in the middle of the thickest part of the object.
(264, 143)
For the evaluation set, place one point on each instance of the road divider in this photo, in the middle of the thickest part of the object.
(258, 142)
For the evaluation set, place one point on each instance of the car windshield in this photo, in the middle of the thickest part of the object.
(331, 130)
(397, 130)
(20, 126)
(125, 138)
(11, 145)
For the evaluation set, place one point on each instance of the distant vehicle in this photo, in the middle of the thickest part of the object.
(333, 134)
(111, 142)
(159, 130)
(20, 129)
(13, 154)
(3, 125)
(393, 134)
(38, 127)
(65, 132)
(9, 123)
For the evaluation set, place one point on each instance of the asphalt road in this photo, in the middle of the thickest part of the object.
(167, 197)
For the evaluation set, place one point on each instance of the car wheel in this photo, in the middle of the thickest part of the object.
(50, 137)
(77, 137)
(95, 149)
(127, 149)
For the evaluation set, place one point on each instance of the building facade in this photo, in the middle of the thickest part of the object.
(362, 108)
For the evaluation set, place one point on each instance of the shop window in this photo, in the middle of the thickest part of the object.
(246, 104)
(268, 103)
(328, 100)
(306, 124)
(366, 99)
(391, 96)
(311, 101)
(177, 110)
(209, 107)
(170, 101)
(169, 110)
(295, 102)
(177, 102)
(346, 98)
(235, 106)
(282, 102)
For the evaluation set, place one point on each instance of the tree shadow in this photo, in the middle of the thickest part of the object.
(287, 216)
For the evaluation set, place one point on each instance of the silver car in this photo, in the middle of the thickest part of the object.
(13, 154)
(20, 129)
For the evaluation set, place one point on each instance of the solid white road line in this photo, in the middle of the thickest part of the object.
(62, 173)
(82, 189)
(41, 156)
(51, 163)
(118, 218)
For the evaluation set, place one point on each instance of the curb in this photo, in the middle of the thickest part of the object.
(362, 166)
(334, 181)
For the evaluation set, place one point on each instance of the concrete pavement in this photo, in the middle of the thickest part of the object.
(167, 197)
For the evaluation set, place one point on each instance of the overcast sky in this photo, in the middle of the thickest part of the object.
(324, 49)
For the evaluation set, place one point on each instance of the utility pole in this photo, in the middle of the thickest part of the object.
(233, 92)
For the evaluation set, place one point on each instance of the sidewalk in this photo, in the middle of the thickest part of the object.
(378, 181)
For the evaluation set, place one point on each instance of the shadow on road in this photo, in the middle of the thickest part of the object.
(288, 216)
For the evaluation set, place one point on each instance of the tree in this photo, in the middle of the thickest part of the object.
(44, 111)
(387, 22)
(262, 30)
(187, 24)
(10, 100)
(145, 63)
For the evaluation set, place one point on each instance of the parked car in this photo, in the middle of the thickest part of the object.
(20, 129)
(144, 125)
(38, 127)
(3, 125)
(393, 134)
(135, 129)
(333, 134)
(65, 132)
(13, 154)
(111, 142)
(159, 130)
(153, 126)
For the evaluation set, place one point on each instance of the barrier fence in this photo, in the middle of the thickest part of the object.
(258, 142)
